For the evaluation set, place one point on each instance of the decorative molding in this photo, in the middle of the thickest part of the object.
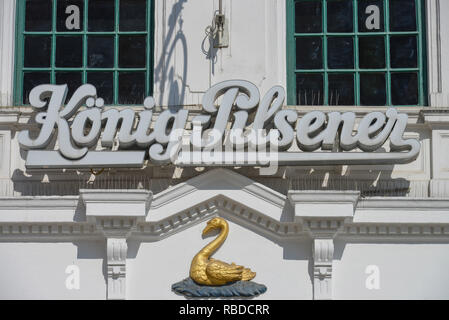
(323, 215)
(323, 255)
(395, 231)
(119, 215)
(316, 207)
(116, 213)
(117, 249)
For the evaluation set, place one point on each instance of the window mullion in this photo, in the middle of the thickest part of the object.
(85, 19)
(356, 75)
(325, 67)
(387, 50)
(116, 53)
(53, 43)
(147, 72)
(20, 54)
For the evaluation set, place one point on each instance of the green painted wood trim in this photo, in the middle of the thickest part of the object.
(422, 52)
(20, 49)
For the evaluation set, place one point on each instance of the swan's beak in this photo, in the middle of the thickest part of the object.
(208, 228)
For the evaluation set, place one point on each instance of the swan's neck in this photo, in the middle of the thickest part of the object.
(215, 244)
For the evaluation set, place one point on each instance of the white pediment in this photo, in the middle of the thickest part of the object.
(220, 192)
(218, 183)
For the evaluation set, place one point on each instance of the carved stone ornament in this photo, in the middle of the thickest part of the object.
(214, 278)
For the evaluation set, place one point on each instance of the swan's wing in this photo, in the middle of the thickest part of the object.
(223, 271)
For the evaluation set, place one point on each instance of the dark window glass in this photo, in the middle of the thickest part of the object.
(131, 87)
(308, 17)
(404, 89)
(366, 15)
(339, 16)
(71, 79)
(37, 51)
(373, 89)
(133, 15)
(69, 51)
(104, 82)
(67, 15)
(341, 89)
(403, 52)
(372, 52)
(100, 51)
(32, 79)
(340, 53)
(38, 15)
(309, 89)
(309, 54)
(132, 51)
(402, 15)
(101, 15)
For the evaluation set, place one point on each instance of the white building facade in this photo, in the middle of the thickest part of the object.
(315, 231)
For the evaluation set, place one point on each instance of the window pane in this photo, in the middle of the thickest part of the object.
(131, 87)
(340, 53)
(104, 82)
(133, 15)
(372, 52)
(132, 52)
(71, 79)
(309, 54)
(37, 51)
(32, 79)
(341, 89)
(70, 15)
(373, 89)
(371, 16)
(100, 52)
(308, 17)
(404, 89)
(403, 52)
(38, 15)
(69, 51)
(101, 15)
(339, 16)
(402, 15)
(309, 89)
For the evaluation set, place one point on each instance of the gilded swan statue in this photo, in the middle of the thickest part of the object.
(211, 272)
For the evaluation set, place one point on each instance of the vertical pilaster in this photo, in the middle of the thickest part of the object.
(116, 214)
(323, 214)
(323, 255)
(7, 42)
(117, 249)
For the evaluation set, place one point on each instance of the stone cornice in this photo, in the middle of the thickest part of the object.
(397, 223)
(124, 213)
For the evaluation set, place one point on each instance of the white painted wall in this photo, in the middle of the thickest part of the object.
(37, 270)
(256, 52)
(284, 269)
(186, 64)
(406, 270)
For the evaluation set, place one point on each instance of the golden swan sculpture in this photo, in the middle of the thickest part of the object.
(211, 272)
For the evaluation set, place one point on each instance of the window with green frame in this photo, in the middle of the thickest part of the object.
(107, 43)
(356, 52)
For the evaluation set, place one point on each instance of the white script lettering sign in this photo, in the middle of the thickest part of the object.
(236, 128)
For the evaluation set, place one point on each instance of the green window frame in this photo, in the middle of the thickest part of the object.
(356, 71)
(21, 34)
